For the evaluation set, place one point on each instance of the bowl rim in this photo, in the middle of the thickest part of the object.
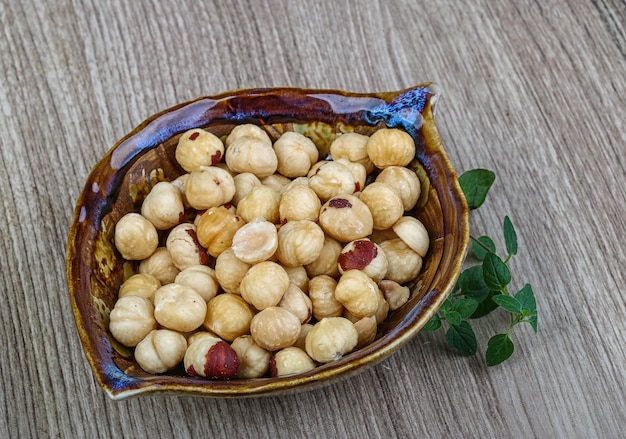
(411, 109)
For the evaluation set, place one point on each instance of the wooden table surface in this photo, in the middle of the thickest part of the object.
(532, 90)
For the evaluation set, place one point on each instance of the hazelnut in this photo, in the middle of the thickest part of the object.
(250, 154)
(254, 361)
(346, 218)
(383, 308)
(364, 255)
(276, 181)
(299, 202)
(275, 328)
(201, 278)
(390, 147)
(297, 302)
(290, 361)
(395, 294)
(209, 186)
(163, 206)
(322, 295)
(330, 339)
(160, 265)
(131, 319)
(136, 238)
(228, 316)
(296, 153)
(404, 181)
(414, 234)
(358, 172)
(142, 285)
(299, 243)
(353, 147)
(197, 148)
(298, 181)
(180, 183)
(298, 276)
(244, 183)
(161, 350)
(182, 243)
(366, 329)
(330, 179)
(229, 271)
(211, 357)
(264, 284)
(326, 263)
(261, 202)
(179, 307)
(255, 242)
(358, 293)
(404, 263)
(384, 204)
(304, 330)
(216, 228)
(193, 336)
(248, 130)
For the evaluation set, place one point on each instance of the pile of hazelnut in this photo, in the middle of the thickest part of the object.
(287, 261)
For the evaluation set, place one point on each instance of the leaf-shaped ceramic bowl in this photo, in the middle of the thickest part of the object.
(118, 183)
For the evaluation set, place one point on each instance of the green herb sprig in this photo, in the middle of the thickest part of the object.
(484, 287)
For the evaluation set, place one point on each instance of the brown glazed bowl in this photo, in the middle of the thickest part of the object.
(120, 181)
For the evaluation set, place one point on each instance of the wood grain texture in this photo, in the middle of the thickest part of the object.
(533, 90)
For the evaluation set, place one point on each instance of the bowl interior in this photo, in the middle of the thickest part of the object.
(121, 180)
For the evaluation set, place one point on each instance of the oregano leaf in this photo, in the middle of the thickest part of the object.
(485, 307)
(510, 236)
(475, 185)
(472, 284)
(462, 339)
(499, 348)
(465, 307)
(509, 303)
(496, 273)
(484, 245)
(433, 325)
(452, 317)
(526, 299)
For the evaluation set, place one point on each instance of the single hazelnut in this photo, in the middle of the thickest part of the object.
(244, 183)
(131, 319)
(211, 357)
(299, 243)
(331, 179)
(229, 271)
(142, 285)
(248, 130)
(201, 278)
(326, 262)
(299, 277)
(404, 181)
(161, 350)
(275, 328)
(358, 293)
(358, 171)
(163, 206)
(346, 218)
(182, 243)
(300, 202)
(209, 186)
(395, 294)
(296, 153)
(365, 255)
(322, 295)
(390, 147)
(261, 202)
(255, 242)
(264, 284)
(254, 361)
(366, 329)
(276, 181)
(353, 147)
(250, 154)
(197, 148)
(290, 361)
(404, 263)
(136, 238)
(414, 234)
(330, 339)
(384, 204)
(179, 307)
(216, 228)
(160, 265)
(296, 301)
(228, 316)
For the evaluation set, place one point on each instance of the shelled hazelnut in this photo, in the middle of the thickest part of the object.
(185, 250)
(290, 361)
(390, 147)
(228, 316)
(275, 328)
(209, 186)
(264, 284)
(254, 361)
(404, 181)
(163, 206)
(136, 238)
(201, 278)
(179, 307)
(131, 319)
(161, 350)
(353, 147)
(198, 147)
(296, 153)
(404, 263)
(160, 265)
(211, 357)
(142, 285)
(330, 339)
